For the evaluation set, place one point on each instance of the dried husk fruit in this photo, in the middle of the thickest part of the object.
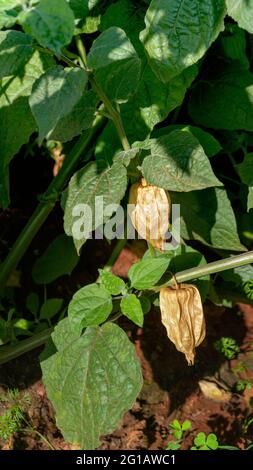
(150, 212)
(183, 317)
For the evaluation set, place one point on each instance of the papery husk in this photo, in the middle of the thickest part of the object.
(151, 214)
(183, 317)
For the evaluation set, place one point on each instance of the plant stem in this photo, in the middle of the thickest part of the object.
(7, 353)
(10, 352)
(210, 268)
(47, 203)
(114, 114)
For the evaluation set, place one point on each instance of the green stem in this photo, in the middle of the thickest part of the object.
(210, 268)
(7, 353)
(31, 429)
(10, 352)
(47, 203)
(114, 114)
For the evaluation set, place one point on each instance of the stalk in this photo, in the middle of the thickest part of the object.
(48, 201)
(210, 268)
(7, 353)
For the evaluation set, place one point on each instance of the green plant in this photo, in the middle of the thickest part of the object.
(178, 430)
(227, 346)
(205, 442)
(108, 85)
(14, 420)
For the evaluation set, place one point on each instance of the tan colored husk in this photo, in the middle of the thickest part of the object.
(183, 317)
(151, 214)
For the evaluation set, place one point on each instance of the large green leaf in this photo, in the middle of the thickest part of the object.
(83, 188)
(131, 308)
(210, 145)
(153, 100)
(250, 198)
(15, 51)
(90, 305)
(233, 44)
(50, 22)
(54, 95)
(178, 163)
(91, 381)
(242, 12)
(207, 216)
(17, 122)
(245, 169)
(9, 10)
(147, 272)
(238, 275)
(178, 33)
(116, 64)
(80, 118)
(81, 8)
(224, 101)
(59, 258)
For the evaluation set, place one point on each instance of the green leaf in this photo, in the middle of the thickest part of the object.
(186, 425)
(238, 275)
(153, 101)
(175, 425)
(9, 10)
(145, 304)
(51, 23)
(179, 32)
(50, 308)
(98, 376)
(233, 44)
(90, 305)
(17, 122)
(33, 303)
(212, 442)
(224, 100)
(210, 145)
(131, 308)
(242, 12)
(200, 439)
(250, 198)
(178, 163)
(54, 95)
(59, 258)
(207, 216)
(111, 46)
(113, 284)
(173, 445)
(81, 8)
(245, 170)
(15, 51)
(147, 273)
(185, 257)
(116, 64)
(80, 118)
(125, 156)
(83, 188)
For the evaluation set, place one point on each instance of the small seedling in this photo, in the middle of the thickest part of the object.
(228, 347)
(205, 442)
(177, 431)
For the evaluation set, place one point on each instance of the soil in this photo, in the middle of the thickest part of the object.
(171, 388)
